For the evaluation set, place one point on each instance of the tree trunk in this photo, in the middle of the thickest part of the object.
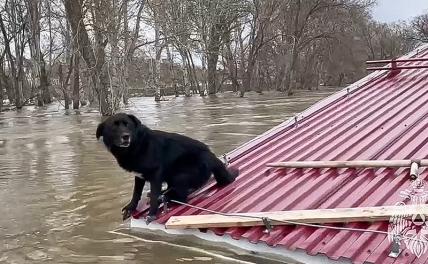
(1, 94)
(17, 97)
(91, 94)
(244, 76)
(3, 83)
(171, 71)
(259, 78)
(49, 15)
(44, 83)
(113, 68)
(125, 64)
(76, 81)
(66, 99)
(94, 58)
(194, 76)
(156, 67)
(231, 64)
(63, 87)
(247, 84)
(7, 84)
(188, 74)
(125, 88)
(186, 69)
(130, 42)
(103, 79)
(289, 76)
(64, 83)
(204, 80)
(19, 49)
(36, 56)
(294, 52)
(212, 73)
(47, 72)
(213, 52)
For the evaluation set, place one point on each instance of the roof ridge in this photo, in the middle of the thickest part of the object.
(319, 106)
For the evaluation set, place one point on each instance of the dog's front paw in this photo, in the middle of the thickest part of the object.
(150, 218)
(127, 210)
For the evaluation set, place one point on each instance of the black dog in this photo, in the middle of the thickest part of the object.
(183, 163)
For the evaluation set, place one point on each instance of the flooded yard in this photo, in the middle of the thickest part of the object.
(61, 192)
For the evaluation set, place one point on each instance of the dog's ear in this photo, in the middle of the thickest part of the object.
(100, 130)
(135, 120)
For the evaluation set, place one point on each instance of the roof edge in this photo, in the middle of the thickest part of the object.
(257, 141)
(276, 253)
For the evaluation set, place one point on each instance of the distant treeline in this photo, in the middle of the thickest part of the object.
(102, 52)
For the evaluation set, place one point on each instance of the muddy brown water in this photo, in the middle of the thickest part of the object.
(61, 192)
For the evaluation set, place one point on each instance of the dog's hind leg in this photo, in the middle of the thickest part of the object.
(155, 192)
(181, 186)
(179, 194)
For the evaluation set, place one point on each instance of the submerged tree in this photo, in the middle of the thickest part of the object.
(420, 28)
(103, 52)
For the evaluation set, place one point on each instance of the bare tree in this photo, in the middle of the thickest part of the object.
(76, 79)
(420, 28)
(40, 77)
(93, 54)
(264, 13)
(158, 47)
(16, 29)
(1, 84)
(131, 40)
(209, 46)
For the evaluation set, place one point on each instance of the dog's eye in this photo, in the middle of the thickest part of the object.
(116, 123)
(125, 123)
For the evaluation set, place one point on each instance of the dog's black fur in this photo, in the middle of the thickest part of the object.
(185, 164)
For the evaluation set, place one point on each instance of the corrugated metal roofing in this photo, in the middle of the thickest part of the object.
(379, 117)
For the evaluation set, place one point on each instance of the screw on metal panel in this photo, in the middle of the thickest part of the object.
(267, 224)
(164, 202)
(395, 247)
(414, 169)
(165, 207)
(226, 161)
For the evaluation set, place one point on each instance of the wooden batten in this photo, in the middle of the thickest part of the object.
(348, 164)
(317, 216)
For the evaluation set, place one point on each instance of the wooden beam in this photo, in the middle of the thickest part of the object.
(348, 164)
(317, 216)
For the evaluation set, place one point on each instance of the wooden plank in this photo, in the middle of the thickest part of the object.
(347, 164)
(317, 216)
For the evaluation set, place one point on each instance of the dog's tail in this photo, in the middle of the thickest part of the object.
(222, 175)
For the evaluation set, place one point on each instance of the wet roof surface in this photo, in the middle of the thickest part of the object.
(381, 117)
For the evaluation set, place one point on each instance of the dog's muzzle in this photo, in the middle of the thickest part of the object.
(125, 141)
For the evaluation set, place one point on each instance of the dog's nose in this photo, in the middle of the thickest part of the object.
(125, 137)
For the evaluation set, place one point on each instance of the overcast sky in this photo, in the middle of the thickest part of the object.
(395, 10)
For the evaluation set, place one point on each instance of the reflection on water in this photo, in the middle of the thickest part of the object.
(61, 192)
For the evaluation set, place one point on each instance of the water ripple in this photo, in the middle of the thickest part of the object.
(60, 191)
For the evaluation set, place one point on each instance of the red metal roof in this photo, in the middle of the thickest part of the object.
(379, 117)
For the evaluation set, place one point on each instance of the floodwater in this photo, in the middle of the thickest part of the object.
(61, 192)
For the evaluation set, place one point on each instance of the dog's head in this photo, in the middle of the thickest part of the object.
(119, 130)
